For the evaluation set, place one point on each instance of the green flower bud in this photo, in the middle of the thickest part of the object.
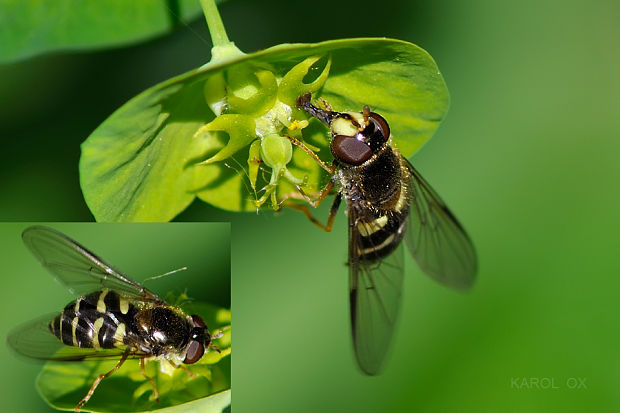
(276, 151)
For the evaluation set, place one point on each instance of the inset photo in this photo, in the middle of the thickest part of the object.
(116, 317)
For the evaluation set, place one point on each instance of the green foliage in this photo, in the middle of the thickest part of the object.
(191, 135)
(63, 385)
(30, 27)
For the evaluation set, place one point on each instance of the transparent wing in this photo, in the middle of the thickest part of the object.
(77, 268)
(375, 287)
(436, 239)
(35, 340)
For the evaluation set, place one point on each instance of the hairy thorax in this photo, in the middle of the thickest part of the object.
(376, 184)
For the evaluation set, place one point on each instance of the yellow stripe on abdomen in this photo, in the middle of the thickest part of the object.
(124, 305)
(375, 248)
(101, 302)
(368, 228)
(74, 324)
(119, 335)
(96, 327)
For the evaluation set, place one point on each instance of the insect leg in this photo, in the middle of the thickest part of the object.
(304, 197)
(182, 367)
(211, 346)
(324, 192)
(366, 113)
(313, 155)
(98, 379)
(330, 219)
(217, 334)
(149, 379)
(325, 104)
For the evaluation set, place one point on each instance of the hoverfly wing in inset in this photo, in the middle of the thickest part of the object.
(375, 287)
(77, 268)
(34, 340)
(436, 239)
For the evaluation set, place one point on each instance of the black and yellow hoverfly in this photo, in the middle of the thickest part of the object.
(113, 317)
(387, 201)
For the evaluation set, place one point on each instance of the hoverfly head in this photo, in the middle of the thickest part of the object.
(199, 340)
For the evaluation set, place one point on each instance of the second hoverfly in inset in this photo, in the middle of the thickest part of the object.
(113, 318)
(387, 202)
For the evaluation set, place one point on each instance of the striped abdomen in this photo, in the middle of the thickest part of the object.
(379, 201)
(101, 319)
(380, 237)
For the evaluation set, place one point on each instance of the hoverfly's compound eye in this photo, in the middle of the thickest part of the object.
(195, 350)
(350, 150)
(198, 322)
(381, 124)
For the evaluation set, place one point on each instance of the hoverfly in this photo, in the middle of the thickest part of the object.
(387, 201)
(113, 317)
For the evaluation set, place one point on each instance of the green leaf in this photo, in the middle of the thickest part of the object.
(30, 27)
(144, 162)
(64, 384)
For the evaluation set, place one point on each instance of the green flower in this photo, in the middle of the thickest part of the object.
(254, 106)
(220, 132)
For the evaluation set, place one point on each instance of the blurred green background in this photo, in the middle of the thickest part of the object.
(140, 250)
(527, 158)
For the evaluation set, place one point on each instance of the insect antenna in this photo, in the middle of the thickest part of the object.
(155, 277)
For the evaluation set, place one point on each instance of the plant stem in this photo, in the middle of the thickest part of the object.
(222, 46)
(214, 22)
